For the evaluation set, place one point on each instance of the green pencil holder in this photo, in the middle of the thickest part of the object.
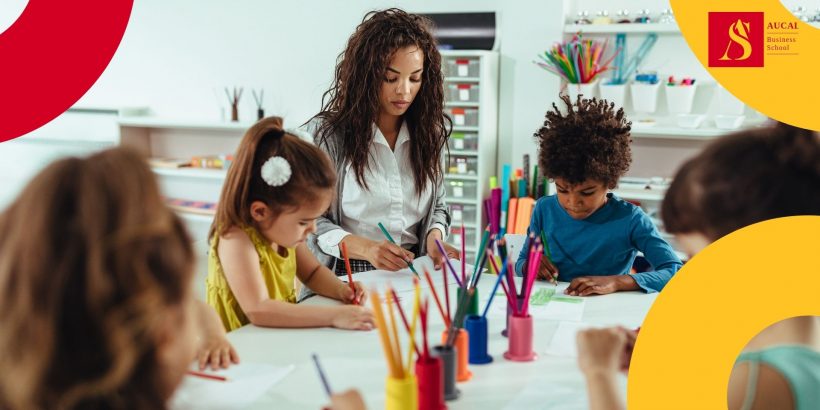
(472, 306)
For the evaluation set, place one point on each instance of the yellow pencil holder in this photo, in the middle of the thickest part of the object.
(402, 394)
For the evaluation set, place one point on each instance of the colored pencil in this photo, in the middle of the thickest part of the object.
(397, 345)
(435, 297)
(446, 291)
(410, 329)
(463, 257)
(207, 375)
(322, 375)
(384, 336)
(349, 274)
(497, 280)
(443, 252)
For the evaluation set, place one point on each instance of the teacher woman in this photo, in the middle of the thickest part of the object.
(382, 124)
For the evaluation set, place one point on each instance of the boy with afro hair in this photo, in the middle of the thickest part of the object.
(592, 235)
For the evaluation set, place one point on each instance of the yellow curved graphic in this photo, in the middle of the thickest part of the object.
(785, 87)
(723, 297)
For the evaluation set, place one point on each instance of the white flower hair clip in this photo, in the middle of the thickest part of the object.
(276, 171)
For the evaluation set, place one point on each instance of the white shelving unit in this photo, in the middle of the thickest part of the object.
(471, 91)
(175, 138)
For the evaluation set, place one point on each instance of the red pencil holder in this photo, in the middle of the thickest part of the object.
(520, 339)
(463, 354)
(430, 376)
(520, 301)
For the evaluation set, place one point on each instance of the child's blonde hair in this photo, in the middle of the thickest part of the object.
(91, 263)
(310, 173)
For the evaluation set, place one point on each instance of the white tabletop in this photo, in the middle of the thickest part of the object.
(354, 359)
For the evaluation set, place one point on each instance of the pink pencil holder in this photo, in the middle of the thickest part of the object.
(520, 340)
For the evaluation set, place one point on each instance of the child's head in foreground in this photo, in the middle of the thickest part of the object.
(745, 178)
(584, 151)
(95, 288)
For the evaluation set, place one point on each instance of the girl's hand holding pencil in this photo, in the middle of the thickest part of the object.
(355, 296)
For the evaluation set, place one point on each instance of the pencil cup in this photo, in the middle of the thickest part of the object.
(644, 97)
(402, 394)
(586, 90)
(520, 301)
(472, 306)
(614, 93)
(679, 98)
(461, 344)
(448, 364)
(430, 376)
(477, 329)
(520, 340)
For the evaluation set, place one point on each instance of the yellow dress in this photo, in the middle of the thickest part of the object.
(278, 272)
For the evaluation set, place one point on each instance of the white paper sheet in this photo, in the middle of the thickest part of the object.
(563, 341)
(402, 280)
(246, 383)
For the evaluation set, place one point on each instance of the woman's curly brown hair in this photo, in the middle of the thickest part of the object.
(591, 141)
(351, 105)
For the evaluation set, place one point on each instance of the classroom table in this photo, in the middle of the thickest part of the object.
(354, 359)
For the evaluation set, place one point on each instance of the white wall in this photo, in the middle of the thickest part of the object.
(175, 54)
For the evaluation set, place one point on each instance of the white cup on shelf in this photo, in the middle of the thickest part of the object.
(587, 90)
(614, 93)
(644, 97)
(679, 98)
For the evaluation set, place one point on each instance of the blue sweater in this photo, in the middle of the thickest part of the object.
(604, 243)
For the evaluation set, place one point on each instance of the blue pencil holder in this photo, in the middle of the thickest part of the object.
(477, 328)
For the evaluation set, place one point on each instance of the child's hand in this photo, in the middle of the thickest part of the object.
(346, 295)
(348, 400)
(354, 318)
(387, 256)
(435, 253)
(216, 351)
(601, 351)
(547, 271)
(600, 285)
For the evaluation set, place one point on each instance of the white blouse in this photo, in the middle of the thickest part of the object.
(391, 200)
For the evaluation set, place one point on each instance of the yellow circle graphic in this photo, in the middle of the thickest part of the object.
(784, 88)
(715, 304)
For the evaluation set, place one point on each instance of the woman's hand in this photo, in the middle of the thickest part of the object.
(354, 318)
(347, 295)
(387, 256)
(600, 285)
(435, 253)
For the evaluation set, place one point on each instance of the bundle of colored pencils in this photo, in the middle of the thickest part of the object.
(390, 336)
(467, 285)
(531, 272)
(577, 61)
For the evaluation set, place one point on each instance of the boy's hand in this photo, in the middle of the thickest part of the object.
(547, 271)
(600, 285)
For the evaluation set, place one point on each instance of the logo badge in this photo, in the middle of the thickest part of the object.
(736, 39)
